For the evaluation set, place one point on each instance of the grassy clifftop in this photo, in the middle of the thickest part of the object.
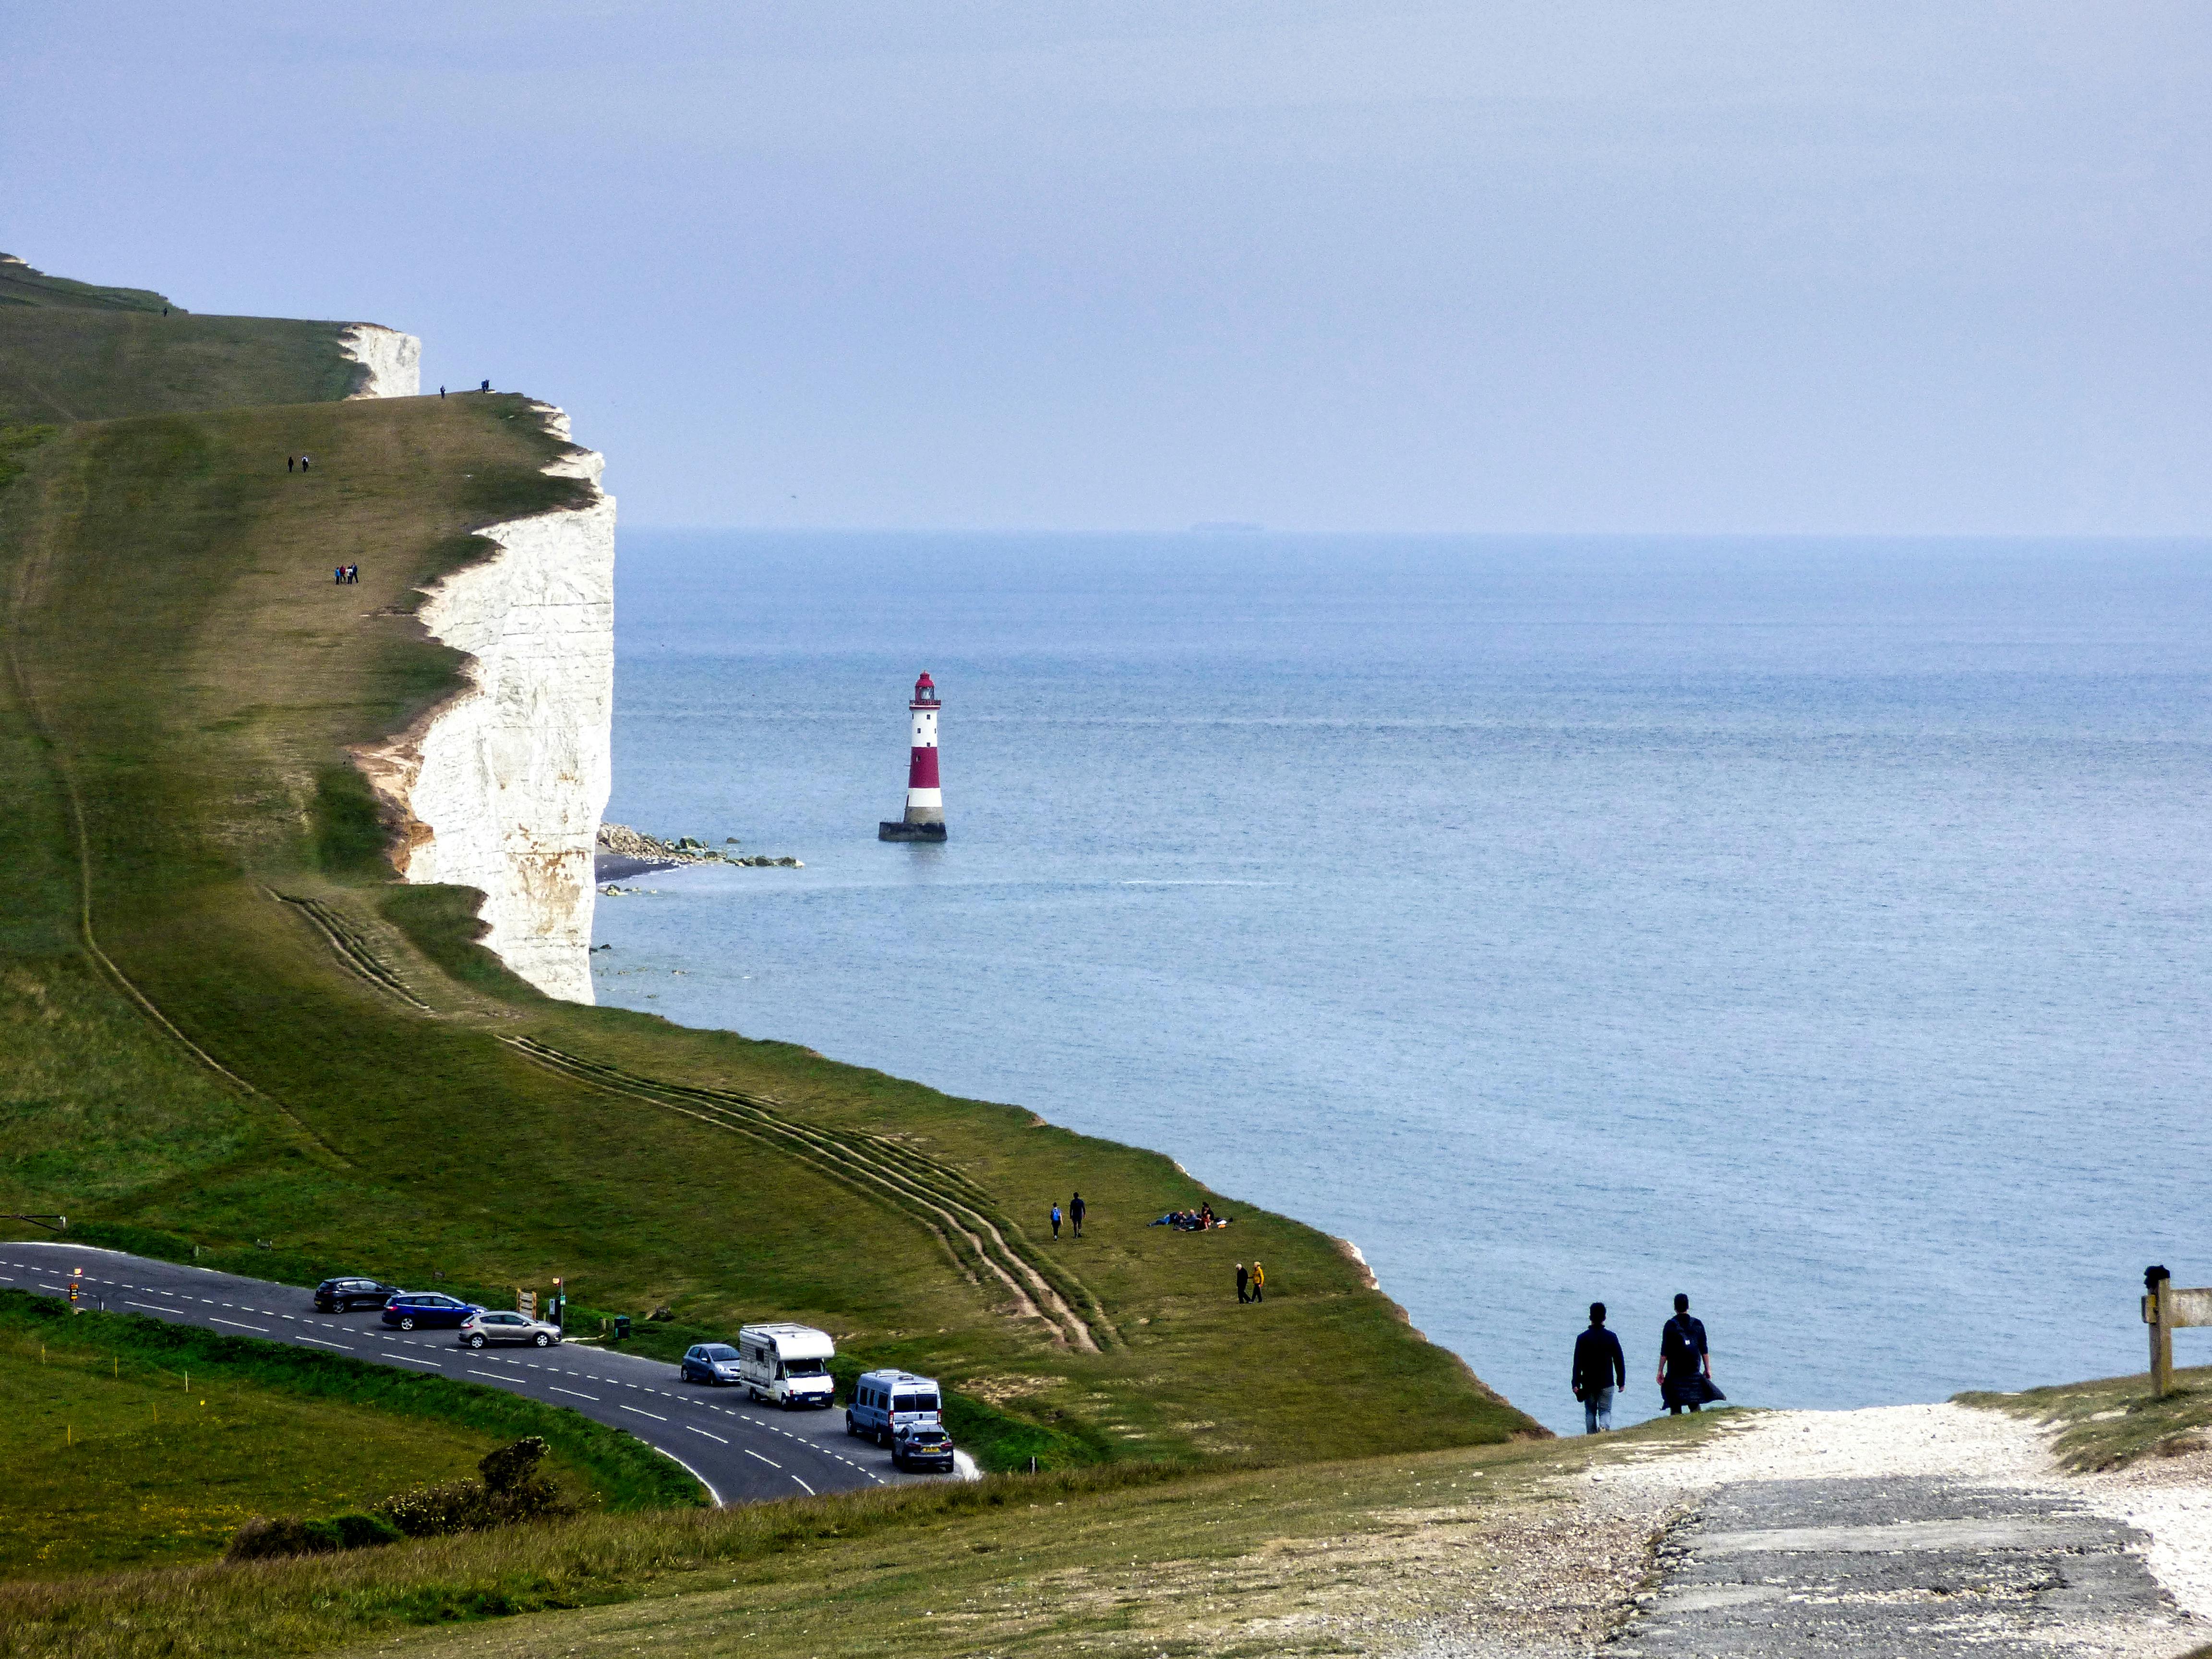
(220, 1019)
(75, 352)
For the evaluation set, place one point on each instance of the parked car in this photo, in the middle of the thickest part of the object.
(430, 1309)
(479, 1329)
(884, 1403)
(712, 1364)
(344, 1295)
(786, 1364)
(922, 1447)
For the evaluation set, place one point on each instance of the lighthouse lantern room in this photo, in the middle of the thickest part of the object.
(925, 798)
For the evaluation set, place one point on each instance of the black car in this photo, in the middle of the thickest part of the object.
(923, 1449)
(408, 1309)
(344, 1295)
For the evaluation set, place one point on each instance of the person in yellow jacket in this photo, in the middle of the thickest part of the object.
(1259, 1282)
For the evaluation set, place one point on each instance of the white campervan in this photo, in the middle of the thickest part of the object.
(787, 1364)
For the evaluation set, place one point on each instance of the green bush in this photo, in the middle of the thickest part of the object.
(261, 1537)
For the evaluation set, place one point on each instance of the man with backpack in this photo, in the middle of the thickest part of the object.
(1685, 1364)
(1600, 1368)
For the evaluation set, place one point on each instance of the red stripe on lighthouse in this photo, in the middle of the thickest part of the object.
(921, 772)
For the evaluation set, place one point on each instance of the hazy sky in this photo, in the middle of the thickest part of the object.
(1595, 266)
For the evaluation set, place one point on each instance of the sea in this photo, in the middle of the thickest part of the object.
(1822, 928)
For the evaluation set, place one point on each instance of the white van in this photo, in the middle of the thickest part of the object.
(787, 1364)
(888, 1404)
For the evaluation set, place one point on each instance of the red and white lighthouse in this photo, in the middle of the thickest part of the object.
(925, 798)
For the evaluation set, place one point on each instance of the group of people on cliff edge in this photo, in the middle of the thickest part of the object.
(1685, 1367)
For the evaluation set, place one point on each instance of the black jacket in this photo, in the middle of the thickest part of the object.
(1598, 1362)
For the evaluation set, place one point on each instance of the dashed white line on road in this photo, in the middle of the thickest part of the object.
(148, 1305)
(412, 1360)
(655, 1416)
(218, 1319)
(557, 1389)
(770, 1461)
(319, 1343)
(711, 1437)
(494, 1375)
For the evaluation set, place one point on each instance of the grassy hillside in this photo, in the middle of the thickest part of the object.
(1135, 1560)
(132, 1441)
(220, 1018)
(70, 351)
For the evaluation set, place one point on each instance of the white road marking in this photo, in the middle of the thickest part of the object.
(494, 1375)
(218, 1319)
(655, 1415)
(149, 1306)
(557, 1389)
(319, 1343)
(412, 1360)
(770, 1461)
(809, 1490)
(711, 1437)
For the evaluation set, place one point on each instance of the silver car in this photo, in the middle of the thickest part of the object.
(479, 1329)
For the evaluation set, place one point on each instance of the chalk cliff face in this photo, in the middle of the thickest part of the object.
(501, 788)
(393, 360)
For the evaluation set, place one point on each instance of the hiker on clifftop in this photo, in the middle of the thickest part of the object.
(1600, 1368)
(1244, 1284)
(1055, 1221)
(1259, 1282)
(1075, 1209)
(1685, 1364)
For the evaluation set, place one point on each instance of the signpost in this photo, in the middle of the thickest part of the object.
(2164, 1308)
(526, 1304)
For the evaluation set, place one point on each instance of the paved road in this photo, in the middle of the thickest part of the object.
(1881, 1569)
(742, 1452)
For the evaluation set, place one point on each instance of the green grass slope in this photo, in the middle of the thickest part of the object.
(1121, 1563)
(220, 1019)
(131, 1441)
(70, 351)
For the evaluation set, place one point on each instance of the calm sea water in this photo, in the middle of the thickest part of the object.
(1822, 928)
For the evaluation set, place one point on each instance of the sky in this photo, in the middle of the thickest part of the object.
(1865, 268)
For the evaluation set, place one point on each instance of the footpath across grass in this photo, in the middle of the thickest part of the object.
(132, 1441)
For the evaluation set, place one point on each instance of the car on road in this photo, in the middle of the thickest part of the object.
(712, 1364)
(885, 1404)
(344, 1295)
(430, 1310)
(479, 1329)
(922, 1447)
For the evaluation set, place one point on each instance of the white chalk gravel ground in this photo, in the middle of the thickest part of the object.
(2168, 1501)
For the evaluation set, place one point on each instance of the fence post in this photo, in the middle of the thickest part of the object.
(2156, 1281)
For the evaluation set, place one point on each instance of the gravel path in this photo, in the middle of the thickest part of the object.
(1916, 1529)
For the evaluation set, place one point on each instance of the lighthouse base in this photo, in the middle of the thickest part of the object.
(898, 831)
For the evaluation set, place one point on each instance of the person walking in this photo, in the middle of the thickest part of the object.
(1259, 1281)
(1055, 1221)
(303, 463)
(338, 574)
(1075, 1208)
(1244, 1284)
(441, 392)
(1600, 1368)
(1685, 1364)
(290, 462)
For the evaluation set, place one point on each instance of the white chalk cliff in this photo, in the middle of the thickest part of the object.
(502, 788)
(393, 360)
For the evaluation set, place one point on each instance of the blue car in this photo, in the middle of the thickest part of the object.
(429, 1310)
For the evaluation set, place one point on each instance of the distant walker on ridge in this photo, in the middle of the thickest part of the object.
(925, 801)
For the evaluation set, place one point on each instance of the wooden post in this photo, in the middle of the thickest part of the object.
(2157, 1290)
